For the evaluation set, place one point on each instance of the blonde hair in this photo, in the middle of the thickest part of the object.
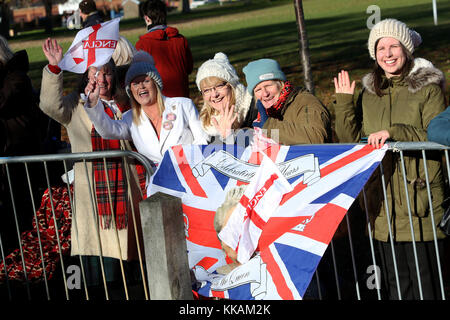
(231, 201)
(137, 108)
(5, 51)
(207, 111)
(280, 83)
(124, 52)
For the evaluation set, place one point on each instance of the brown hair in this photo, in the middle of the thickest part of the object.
(156, 10)
(378, 72)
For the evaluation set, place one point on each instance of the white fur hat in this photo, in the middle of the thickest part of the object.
(391, 28)
(219, 67)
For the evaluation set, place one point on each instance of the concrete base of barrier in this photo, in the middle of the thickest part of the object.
(165, 248)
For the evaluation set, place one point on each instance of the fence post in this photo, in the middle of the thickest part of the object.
(165, 248)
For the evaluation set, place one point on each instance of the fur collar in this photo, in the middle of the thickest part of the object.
(243, 102)
(422, 74)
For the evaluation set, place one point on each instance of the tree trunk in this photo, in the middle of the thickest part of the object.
(48, 16)
(303, 46)
(184, 6)
(4, 19)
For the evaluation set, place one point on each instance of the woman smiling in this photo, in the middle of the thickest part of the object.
(291, 115)
(227, 105)
(399, 99)
(156, 122)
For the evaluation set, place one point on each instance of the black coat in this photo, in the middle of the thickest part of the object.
(20, 122)
(20, 134)
(92, 20)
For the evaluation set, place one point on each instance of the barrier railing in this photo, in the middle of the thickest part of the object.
(362, 277)
(16, 188)
(354, 257)
(401, 147)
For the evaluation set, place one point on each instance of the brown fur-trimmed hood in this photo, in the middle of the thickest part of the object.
(422, 74)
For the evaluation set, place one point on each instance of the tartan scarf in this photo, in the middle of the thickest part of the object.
(275, 110)
(117, 180)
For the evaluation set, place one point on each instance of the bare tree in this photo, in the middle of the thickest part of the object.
(5, 14)
(303, 46)
(48, 15)
(184, 6)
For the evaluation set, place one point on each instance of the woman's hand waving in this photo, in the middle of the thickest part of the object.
(342, 83)
(227, 118)
(52, 51)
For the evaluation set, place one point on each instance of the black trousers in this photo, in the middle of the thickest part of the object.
(407, 272)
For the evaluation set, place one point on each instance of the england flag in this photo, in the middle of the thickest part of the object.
(260, 200)
(92, 46)
(286, 240)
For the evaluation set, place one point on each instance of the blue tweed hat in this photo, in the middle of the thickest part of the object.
(141, 64)
(262, 70)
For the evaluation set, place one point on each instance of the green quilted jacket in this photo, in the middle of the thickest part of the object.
(405, 110)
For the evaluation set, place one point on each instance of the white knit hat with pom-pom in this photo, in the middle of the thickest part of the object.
(219, 67)
(141, 64)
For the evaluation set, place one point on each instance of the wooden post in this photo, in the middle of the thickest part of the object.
(165, 248)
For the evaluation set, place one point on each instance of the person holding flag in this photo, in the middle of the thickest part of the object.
(68, 110)
(155, 123)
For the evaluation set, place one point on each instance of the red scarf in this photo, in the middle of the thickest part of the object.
(275, 110)
(116, 178)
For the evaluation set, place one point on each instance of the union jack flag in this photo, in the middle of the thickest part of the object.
(324, 181)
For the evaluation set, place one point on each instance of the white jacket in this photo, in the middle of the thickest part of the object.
(186, 128)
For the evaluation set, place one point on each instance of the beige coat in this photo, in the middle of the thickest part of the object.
(69, 112)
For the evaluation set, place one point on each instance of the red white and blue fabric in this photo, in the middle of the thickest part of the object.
(92, 46)
(258, 203)
(325, 180)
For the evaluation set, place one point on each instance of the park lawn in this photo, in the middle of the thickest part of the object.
(336, 29)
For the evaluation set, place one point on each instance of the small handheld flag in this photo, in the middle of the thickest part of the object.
(92, 46)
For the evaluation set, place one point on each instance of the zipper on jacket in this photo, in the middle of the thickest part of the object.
(391, 85)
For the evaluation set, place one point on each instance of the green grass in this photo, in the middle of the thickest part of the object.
(336, 29)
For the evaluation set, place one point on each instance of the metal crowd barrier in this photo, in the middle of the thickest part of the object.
(24, 288)
(350, 269)
(361, 277)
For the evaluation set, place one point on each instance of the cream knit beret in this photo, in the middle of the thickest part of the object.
(391, 28)
(124, 52)
(219, 67)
